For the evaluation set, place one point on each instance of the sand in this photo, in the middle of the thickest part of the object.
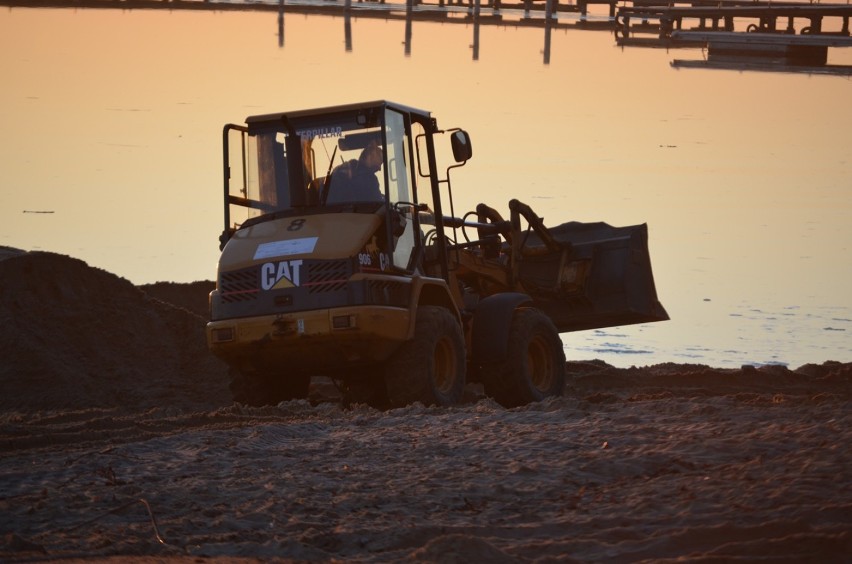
(118, 438)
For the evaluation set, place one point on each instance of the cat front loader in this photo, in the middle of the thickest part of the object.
(342, 257)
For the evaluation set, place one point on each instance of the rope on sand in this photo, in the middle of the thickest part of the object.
(122, 507)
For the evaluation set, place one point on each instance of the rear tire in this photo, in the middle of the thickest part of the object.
(430, 368)
(257, 388)
(535, 362)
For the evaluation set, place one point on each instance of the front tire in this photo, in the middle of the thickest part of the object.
(535, 362)
(430, 368)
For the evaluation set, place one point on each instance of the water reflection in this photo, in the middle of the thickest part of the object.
(471, 14)
(347, 31)
(408, 28)
(281, 25)
(548, 24)
(475, 32)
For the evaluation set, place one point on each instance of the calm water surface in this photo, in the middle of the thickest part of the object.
(112, 122)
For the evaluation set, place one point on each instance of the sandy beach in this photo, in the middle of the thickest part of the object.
(118, 438)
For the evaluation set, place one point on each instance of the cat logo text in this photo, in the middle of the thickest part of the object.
(280, 275)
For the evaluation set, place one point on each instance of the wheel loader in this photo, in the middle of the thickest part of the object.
(342, 256)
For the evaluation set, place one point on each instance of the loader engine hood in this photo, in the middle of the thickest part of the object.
(302, 263)
(326, 236)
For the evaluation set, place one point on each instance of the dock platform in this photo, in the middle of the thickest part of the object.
(791, 37)
(765, 51)
(788, 18)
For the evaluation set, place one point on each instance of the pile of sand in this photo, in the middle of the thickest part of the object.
(73, 336)
(191, 296)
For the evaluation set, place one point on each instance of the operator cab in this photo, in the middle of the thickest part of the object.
(361, 158)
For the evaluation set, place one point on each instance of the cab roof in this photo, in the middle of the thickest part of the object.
(346, 108)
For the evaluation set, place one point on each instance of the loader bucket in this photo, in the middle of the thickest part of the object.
(601, 277)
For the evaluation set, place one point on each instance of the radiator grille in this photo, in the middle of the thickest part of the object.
(240, 285)
(318, 277)
(327, 276)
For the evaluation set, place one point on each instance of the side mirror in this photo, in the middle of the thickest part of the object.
(460, 141)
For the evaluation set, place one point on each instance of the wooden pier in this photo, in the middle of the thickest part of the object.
(631, 19)
(791, 37)
(749, 33)
(553, 13)
(546, 14)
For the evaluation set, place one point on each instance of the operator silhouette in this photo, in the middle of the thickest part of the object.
(355, 180)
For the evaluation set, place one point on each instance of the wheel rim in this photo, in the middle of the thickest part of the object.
(444, 365)
(540, 364)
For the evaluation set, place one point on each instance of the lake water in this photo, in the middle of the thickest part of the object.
(112, 122)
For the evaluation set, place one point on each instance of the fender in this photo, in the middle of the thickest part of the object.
(430, 291)
(491, 322)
